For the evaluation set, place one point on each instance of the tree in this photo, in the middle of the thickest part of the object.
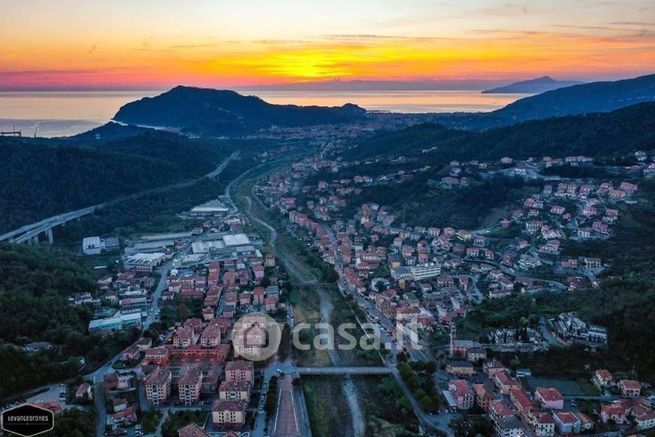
(183, 311)
(426, 403)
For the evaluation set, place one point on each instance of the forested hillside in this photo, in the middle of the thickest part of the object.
(43, 178)
(600, 134)
(581, 99)
(224, 112)
(623, 303)
(34, 288)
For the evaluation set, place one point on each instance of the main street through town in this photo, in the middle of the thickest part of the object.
(428, 422)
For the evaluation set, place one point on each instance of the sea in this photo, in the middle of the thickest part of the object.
(65, 113)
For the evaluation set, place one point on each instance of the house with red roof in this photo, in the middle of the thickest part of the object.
(505, 383)
(602, 378)
(461, 393)
(500, 410)
(615, 413)
(192, 430)
(549, 398)
(644, 418)
(630, 388)
(522, 402)
(543, 424)
(567, 422)
(484, 395)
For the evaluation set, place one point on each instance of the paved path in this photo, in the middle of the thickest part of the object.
(153, 312)
(286, 423)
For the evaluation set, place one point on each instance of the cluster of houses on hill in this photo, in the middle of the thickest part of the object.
(518, 408)
(571, 328)
(123, 300)
(434, 275)
(629, 407)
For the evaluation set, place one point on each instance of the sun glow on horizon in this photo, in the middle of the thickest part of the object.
(215, 43)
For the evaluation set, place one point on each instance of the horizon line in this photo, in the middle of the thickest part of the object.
(342, 84)
(424, 84)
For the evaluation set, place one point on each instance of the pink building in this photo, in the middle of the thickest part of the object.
(616, 413)
(158, 385)
(258, 271)
(549, 398)
(630, 388)
(237, 371)
(461, 393)
(189, 385)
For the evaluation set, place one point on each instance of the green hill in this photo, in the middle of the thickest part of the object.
(35, 284)
(570, 100)
(224, 112)
(45, 177)
(605, 134)
(581, 99)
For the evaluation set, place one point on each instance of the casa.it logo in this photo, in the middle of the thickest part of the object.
(256, 336)
(27, 420)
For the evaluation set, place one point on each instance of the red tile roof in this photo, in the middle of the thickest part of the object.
(549, 394)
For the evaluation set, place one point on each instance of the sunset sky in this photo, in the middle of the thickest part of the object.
(118, 44)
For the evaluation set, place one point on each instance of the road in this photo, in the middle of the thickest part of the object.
(285, 368)
(393, 340)
(427, 421)
(430, 421)
(286, 422)
(273, 233)
(294, 396)
(511, 273)
(97, 376)
(548, 335)
(153, 312)
(303, 276)
(52, 393)
(27, 232)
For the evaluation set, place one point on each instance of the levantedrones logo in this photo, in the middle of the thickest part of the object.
(27, 420)
(256, 336)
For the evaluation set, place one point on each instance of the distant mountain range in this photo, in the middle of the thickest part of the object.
(532, 86)
(110, 131)
(581, 99)
(211, 112)
(578, 99)
(220, 112)
(381, 85)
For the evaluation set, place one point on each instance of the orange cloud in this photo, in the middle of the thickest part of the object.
(485, 54)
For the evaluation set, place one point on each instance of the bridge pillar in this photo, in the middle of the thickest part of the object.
(34, 240)
(48, 233)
